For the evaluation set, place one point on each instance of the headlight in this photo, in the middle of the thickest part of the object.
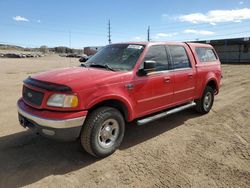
(62, 100)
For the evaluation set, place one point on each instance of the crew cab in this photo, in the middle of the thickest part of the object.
(121, 83)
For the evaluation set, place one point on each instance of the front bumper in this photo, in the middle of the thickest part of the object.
(62, 128)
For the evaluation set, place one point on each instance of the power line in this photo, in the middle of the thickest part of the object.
(202, 26)
(216, 37)
(177, 28)
(174, 28)
(246, 34)
(54, 30)
(228, 27)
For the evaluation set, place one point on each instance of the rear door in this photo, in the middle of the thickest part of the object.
(154, 91)
(184, 74)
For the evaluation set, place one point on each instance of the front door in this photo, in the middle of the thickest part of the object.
(154, 91)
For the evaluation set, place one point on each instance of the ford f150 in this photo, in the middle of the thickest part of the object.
(121, 83)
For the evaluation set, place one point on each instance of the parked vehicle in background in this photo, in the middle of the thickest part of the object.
(121, 83)
(20, 55)
(83, 58)
(74, 55)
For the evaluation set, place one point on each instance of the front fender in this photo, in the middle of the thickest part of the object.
(122, 99)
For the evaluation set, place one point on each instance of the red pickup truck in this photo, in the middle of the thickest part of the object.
(121, 83)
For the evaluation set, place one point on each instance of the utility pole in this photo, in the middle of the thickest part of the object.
(70, 43)
(109, 33)
(70, 39)
(148, 39)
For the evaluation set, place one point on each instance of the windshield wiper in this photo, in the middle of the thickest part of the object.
(102, 66)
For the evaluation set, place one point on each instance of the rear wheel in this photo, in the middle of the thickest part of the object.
(205, 104)
(103, 131)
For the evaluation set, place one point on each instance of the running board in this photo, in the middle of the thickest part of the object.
(166, 113)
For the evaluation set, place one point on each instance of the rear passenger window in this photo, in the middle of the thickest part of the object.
(159, 55)
(206, 54)
(179, 57)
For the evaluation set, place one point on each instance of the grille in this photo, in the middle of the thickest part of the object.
(33, 97)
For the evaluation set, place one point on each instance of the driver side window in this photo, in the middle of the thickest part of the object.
(159, 55)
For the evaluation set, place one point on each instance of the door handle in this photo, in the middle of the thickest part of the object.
(167, 80)
(190, 76)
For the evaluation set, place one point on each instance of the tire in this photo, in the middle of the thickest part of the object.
(205, 104)
(103, 132)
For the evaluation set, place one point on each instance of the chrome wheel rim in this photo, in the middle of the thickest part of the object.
(108, 133)
(207, 101)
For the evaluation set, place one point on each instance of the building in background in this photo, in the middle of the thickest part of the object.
(234, 50)
(91, 50)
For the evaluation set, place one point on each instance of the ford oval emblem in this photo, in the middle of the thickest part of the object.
(29, 95)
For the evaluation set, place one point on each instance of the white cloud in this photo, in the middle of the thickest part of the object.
(199, 32)
(138, 38)
(164, 35)
(217, 16)
(20, 19)
(166, 17)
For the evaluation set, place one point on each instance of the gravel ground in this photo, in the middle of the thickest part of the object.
(182, 150)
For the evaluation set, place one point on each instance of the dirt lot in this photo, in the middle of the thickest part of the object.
(183, 150)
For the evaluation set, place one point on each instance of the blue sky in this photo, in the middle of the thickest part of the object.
(82, 23)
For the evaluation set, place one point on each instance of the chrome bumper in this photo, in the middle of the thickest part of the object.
(51, 123)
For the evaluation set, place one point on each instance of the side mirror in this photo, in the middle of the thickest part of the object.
(148, 66)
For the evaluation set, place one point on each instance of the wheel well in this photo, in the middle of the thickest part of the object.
(115, 104)
(213, 85)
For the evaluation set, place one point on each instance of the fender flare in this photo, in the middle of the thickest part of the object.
(126, 103)
(210, 77)
(209, 80)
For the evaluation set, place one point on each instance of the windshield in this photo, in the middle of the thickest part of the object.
(121, 57)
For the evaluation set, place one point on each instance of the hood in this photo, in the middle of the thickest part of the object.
(79, 78)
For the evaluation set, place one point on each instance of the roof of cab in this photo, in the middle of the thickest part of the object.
(167, 43)
(150, 43)
(199, 45)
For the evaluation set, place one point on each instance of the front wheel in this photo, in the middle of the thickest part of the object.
(205, 104)
(103, 132)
